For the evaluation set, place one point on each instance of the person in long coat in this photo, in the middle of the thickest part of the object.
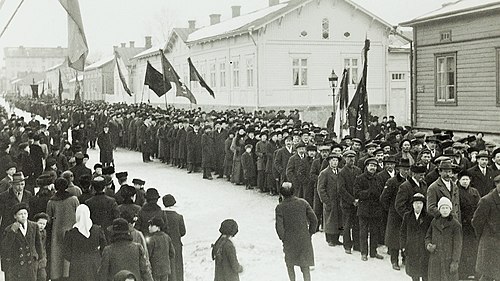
(181, 145)
(105, 147)
(21, 252)
(148, 211)
(297, 170)
(413, 185)
(176, 229)
(227, 267)
(324, 151)
(261, 150)
(328, 193)
(387, 198)
(61, 210)
(469, 198)
(83, 245)
(438, 189)
(487, 227)
(412, 238)
(228, 156)
(220, 135)
(295, 223)
(271, 180)
(238, 148)
(444, 242)
(172, 139)
(103, 208)
(208, 155)
(281, 158)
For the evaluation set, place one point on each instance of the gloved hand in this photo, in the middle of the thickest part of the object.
(454, 267)
(431, 247)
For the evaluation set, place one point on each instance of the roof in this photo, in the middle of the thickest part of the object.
(454, 9)
(55, 66)
(183, 33)
(127, 53)
(258, 19)
(100, 63)
(35, 52)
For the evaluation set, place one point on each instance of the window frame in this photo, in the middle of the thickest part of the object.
(325, 21)
(445, 102)
(235, 71)
(222, 72)
(300, 70)
(350, 68)
(250, 70)
(449, 39)
(213, 73)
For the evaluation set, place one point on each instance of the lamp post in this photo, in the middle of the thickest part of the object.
(333, 79)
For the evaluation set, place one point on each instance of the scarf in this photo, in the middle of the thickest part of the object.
(83, 221)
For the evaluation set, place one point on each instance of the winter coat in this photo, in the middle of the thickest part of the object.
(84, 254)
(124, 255)
(36, 157)
(446, 234)
(237, 147)
(161, 251)
(261, 149)
(412, 239)
(436, 191)
(404, 197)
(227, 267)
(219, 146)
(194, 147)
(147, 212)
(61, 210)
(281, 161)
(483, 183)
(79, 170)
(176, 229)
(271, 149)
(469, 198)
(7, 202)
(103, 209)
(368, 188)
(22, 254)
(314, 174)
(38, 203)
(347, 177)
(297, 172)
(394, 220)
(295, 223)
(105, 148)
(228, 154)
(248, 165)
(328, 193)
(487, 227)
(208, 154)
(181, 143)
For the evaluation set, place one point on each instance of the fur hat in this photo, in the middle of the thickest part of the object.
(152, 193)
(20, 206)
(61, 184)
(168, 200)
(229, 227)
(418, 197)
(444, 201)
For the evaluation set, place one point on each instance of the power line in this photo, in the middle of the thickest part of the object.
(15, 12)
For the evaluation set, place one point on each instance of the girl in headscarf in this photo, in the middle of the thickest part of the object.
(83, 246)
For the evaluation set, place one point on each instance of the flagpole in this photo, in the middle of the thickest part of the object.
(8, 23)
(142, 96)
(166, 104)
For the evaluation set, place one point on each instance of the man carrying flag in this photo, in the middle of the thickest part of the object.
(194, 75)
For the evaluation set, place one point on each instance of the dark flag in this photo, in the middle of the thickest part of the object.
(43, 89)
(60, 88)
(171, 76)
(77, 89)
(34, 90)
(358, 109)
(195, 76)
(120, 73)
(154, 79)
(77, 42)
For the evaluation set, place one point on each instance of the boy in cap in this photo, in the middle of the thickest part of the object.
(444, 243)
(161, 250)
(248, 165)
(413, 231)
(140, 192)
(22, 247)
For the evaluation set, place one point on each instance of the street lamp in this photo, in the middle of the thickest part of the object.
(333, 79)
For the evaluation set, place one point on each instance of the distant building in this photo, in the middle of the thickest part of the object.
(282, 55)
(31, 59)
(457, 69)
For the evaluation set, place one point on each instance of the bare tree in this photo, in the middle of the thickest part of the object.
(160, 25)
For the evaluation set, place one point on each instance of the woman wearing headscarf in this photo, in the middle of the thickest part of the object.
(83, 245)
(227, 267)
(61, 210)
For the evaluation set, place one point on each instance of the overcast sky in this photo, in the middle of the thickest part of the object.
(43, 23)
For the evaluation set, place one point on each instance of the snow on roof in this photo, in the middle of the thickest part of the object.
(233, 24)
(55, 66)
(149, 51)
(456, 8)
(100, 63)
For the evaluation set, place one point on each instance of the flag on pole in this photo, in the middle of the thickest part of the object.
(43, 89)
(342, 103)
(34, 90)
(154, 79)
(120, 73)
(194, 75)
(77, 42)
(77, 88)
(358, 108)
(60, 88)
(171, 76)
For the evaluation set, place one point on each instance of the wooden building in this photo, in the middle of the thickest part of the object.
(457, 62)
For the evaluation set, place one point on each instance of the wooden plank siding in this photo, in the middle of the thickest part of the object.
(475, 41)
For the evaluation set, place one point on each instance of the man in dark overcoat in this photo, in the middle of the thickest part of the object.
(8, 199)
(220, 136)
(193, 147)
(368, 188)
(103, 208)
(481, 174)
(282, 156)
(444, 186)
(486, 223)
(208, 154)
(324, 151)
(297, 170)
(181, 144)
(105, 147)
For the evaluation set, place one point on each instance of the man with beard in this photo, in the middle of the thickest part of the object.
(444, 186)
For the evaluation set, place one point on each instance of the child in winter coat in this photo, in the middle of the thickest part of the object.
(160, 249)
(249, 168)
(444, 242)
(227, 267)
(41, 220)
(412, 238)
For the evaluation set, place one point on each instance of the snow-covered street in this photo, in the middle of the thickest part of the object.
(205, 204)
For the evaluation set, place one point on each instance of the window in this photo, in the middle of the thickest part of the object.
(446, 78)
(445, 36)
(351, 65)
(236, 72)
(222, 67)
(212, 75)
(299, 72)
(250, 68)
(325, 27)
(398, 76)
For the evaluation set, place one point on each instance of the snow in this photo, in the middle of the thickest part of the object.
(205, 204)
(457, 6)
(149, 51)
(100, 63)
(233, 23)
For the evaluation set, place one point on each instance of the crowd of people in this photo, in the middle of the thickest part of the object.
(432, 199)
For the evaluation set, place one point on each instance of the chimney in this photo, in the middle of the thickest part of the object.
(148, 42)
(115, 48)
(192, 24)
(214, 19)
(236, 11)
(123, 45)
(132, 44)
(273, 2)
